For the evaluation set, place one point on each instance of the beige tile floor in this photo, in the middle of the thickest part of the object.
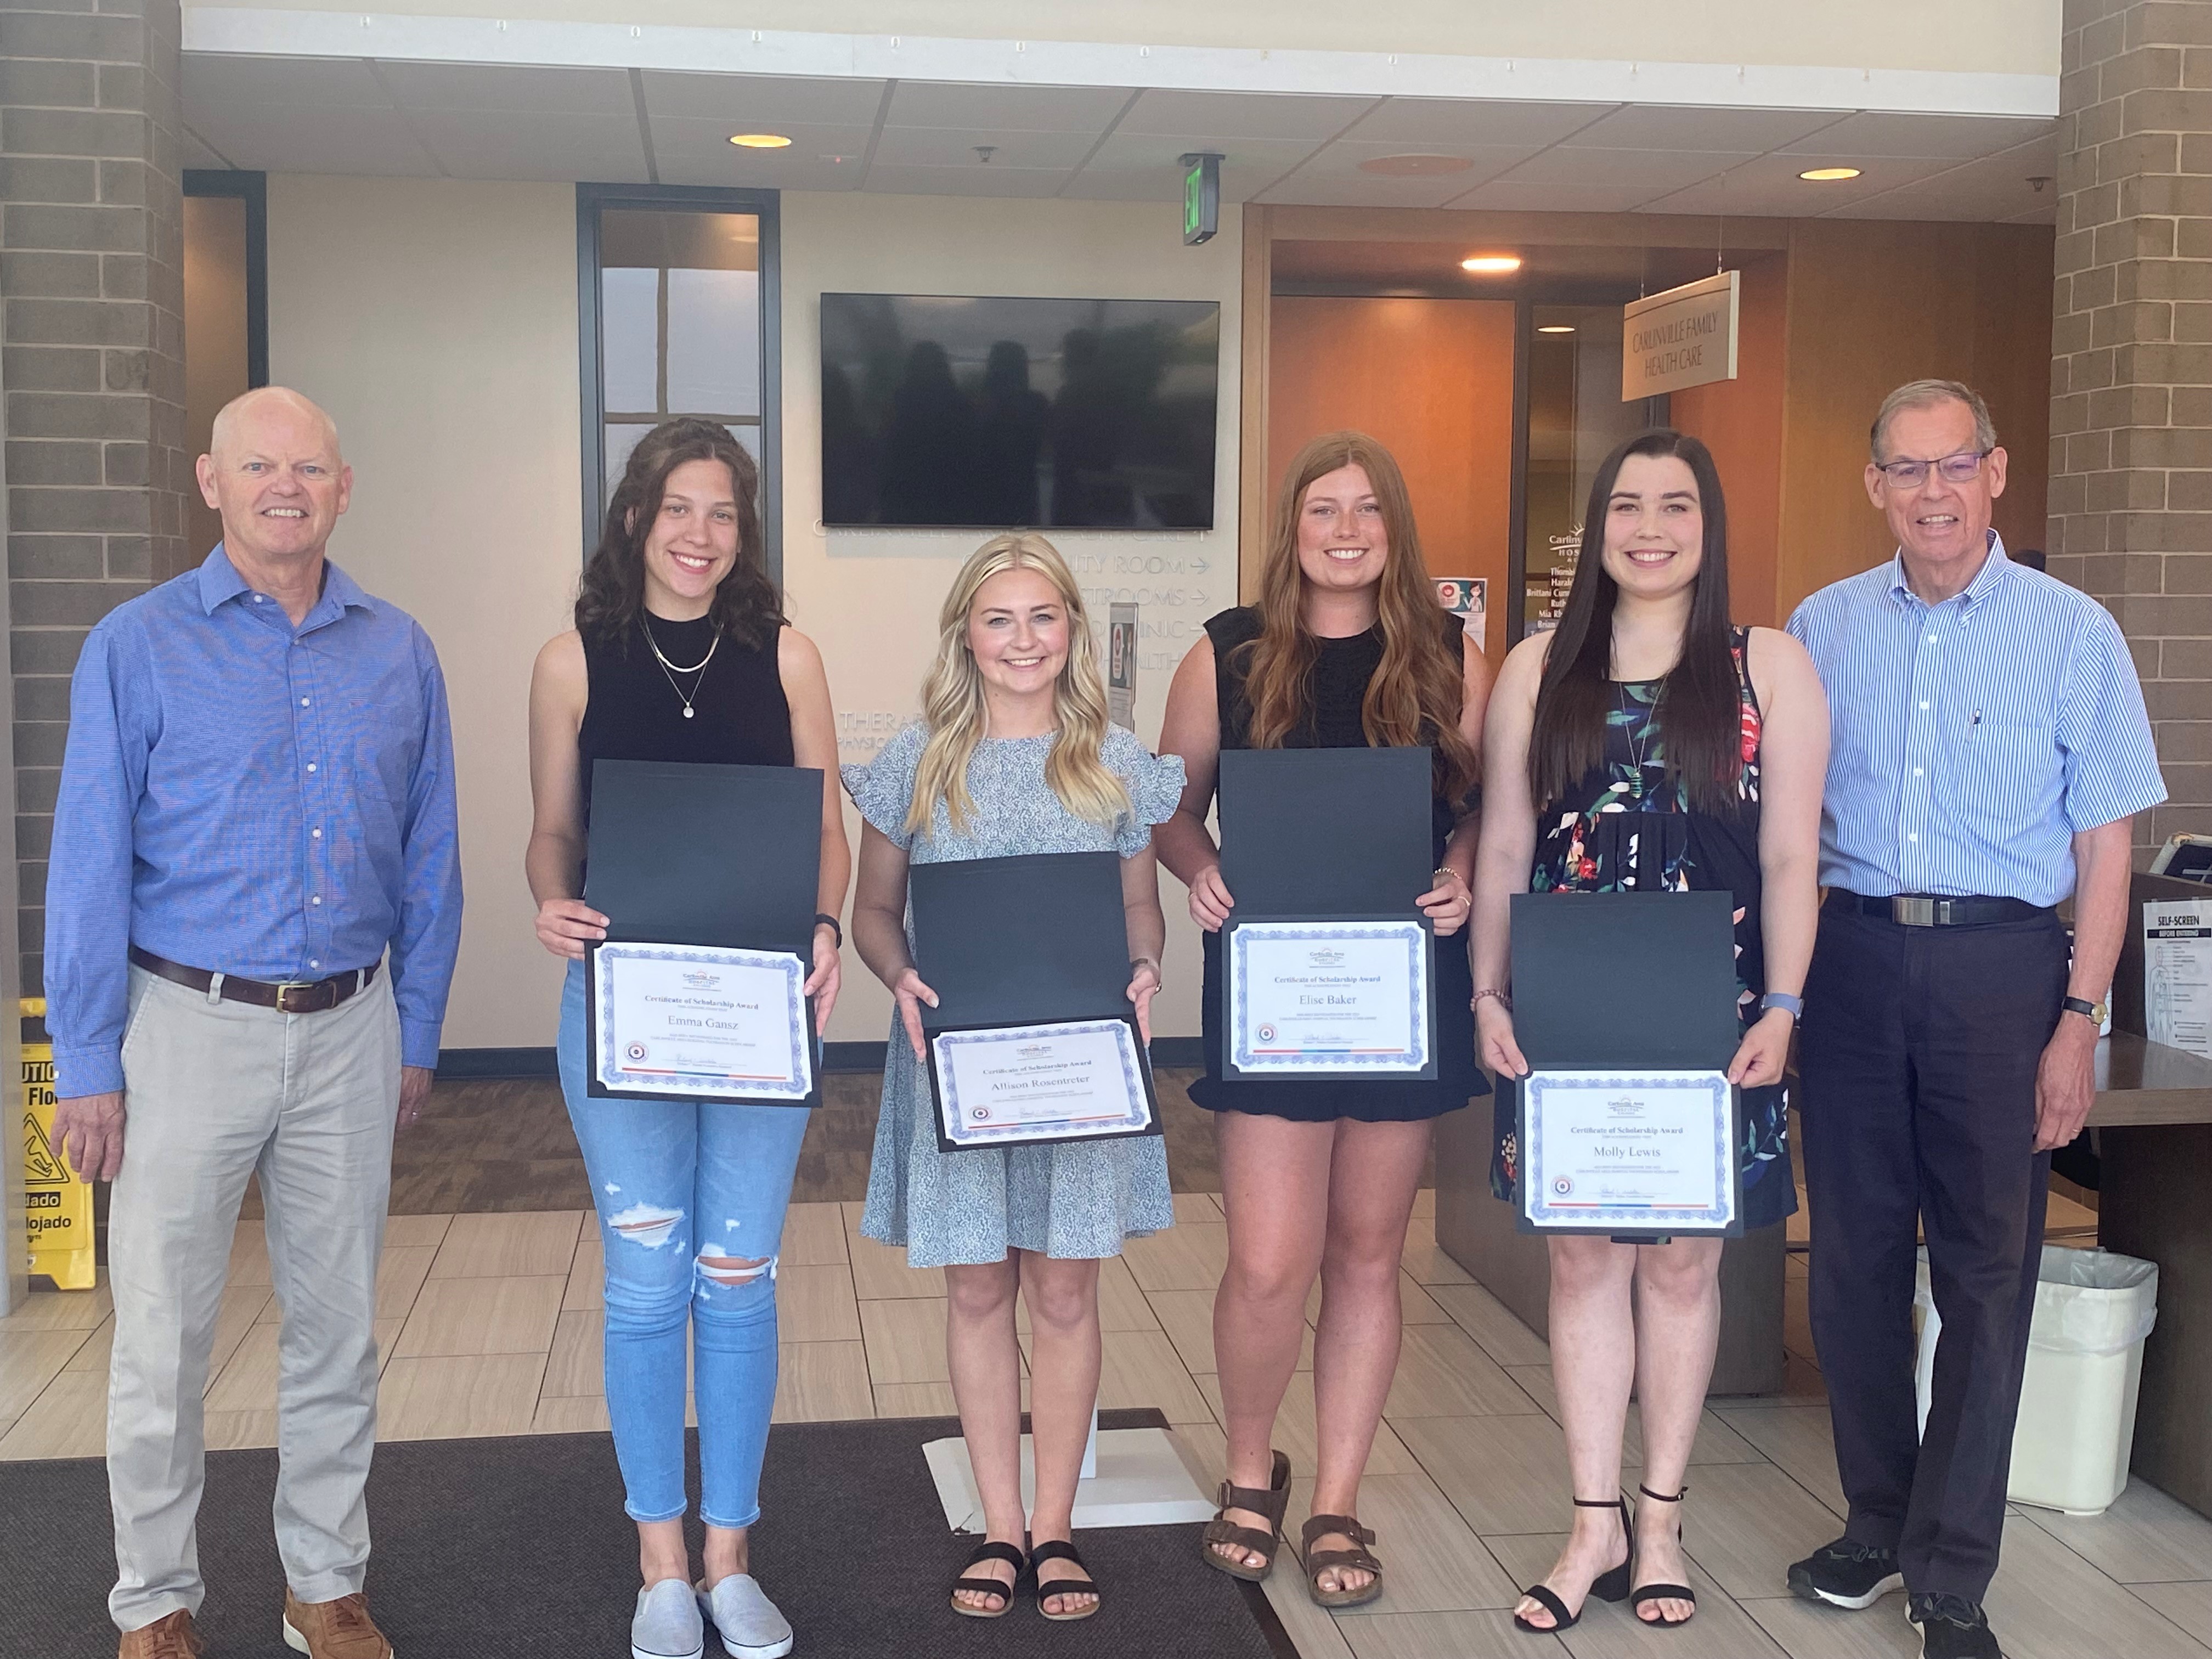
(491, 1325)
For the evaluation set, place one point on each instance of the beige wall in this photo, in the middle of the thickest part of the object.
(869, 598)
(2017, 37)
(437, 321)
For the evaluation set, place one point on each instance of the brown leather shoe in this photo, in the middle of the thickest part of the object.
(333, 1629)
(171, 1637)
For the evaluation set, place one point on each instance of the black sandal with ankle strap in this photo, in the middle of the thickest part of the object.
(1059, 1549)
(989, 1551)
(1222, 1530)
(1648, 1593)
(1611, 1585)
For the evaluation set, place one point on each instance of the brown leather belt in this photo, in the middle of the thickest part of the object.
(292, 996)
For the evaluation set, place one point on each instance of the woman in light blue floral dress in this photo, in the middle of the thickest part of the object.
(1013, 755)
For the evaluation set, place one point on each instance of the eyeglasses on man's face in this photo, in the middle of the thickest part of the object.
(1954, 469)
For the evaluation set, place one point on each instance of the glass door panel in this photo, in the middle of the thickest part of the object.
(1575, 417)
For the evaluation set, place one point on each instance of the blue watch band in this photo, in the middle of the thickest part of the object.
(1793, 1007)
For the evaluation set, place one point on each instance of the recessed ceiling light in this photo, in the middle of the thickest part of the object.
(1555, 328)
(1490, 264)
(1828, 175)
(760, 140)
(1414, 166)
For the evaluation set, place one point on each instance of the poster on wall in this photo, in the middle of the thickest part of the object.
(1547, 589)
(1121, 664)
(1467, 598)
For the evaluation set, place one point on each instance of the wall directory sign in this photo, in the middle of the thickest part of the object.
(1121, 664)
(1684, 337)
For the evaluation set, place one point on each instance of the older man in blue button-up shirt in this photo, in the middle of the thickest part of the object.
(253, 906)
(1988, 751)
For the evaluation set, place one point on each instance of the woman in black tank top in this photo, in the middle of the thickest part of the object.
(1347, 648)
(681, 653)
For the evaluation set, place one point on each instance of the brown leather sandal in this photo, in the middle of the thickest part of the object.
(1320, 1561)
(1222, 1530)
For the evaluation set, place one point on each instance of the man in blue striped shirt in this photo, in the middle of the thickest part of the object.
(252, 903)
(1989, 750)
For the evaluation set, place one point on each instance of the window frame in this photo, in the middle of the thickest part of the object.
(591, 200)
(252, 189)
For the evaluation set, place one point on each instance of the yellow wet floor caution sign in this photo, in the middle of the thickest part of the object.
(58, 1206)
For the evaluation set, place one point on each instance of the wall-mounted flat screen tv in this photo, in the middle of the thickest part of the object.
(947, 412)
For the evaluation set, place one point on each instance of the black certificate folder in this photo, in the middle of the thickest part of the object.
(1030, 940)
(721, 856)
(1326, 832)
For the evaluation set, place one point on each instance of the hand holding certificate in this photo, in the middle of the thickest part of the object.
(1032, 1037)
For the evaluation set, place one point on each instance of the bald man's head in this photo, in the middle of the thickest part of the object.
(273, 471)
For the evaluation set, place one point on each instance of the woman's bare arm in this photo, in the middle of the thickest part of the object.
(553, 862)
(814, 744)
(1192, 730)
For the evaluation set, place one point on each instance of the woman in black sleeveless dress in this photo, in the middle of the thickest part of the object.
(1347, 648)
(1650, 744)
(681, 653)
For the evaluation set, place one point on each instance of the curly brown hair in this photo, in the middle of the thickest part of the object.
(610, 598)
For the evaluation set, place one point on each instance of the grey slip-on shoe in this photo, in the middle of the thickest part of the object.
(666, 1624)
(747, 1621)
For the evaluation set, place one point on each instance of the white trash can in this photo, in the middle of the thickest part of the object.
(2077, 1402)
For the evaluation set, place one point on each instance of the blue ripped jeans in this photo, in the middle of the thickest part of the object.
(690, 1201)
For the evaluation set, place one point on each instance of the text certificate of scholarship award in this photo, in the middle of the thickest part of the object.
(1075, 1079)
(700, 1022)
(1332, 998)
(1612, 1150)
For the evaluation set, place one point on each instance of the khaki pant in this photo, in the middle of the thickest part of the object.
(215, 1090)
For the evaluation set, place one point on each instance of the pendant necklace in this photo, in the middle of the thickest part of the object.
(670, 670)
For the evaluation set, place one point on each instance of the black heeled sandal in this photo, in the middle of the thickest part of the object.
(1059, 1549)
(1611, 1585)
(990, 1552)
(1647, 1593)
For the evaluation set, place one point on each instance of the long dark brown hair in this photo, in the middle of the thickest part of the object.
(1414, 695)
(1700, 713)
(610, 598)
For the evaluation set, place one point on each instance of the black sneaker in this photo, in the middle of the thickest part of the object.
(1951, 1628)
(1846, 1574)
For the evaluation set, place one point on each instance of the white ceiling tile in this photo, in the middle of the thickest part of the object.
(1770, 184)
(1995, 188)
(1485, 160)
(211, 80)
(948, 147)
(674, 135)
(760, 170)
(762, 100)
(1650, 170)
(1413, 122)
(338, 139)
(1033, 109)
(965, 181)
(1881, 132)
(1307, 188)
(1657, 126)
(1264, 115)
(509, 87)
(1516, 196)
(511, 144)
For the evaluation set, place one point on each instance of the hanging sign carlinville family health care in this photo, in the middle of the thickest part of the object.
(1683, 337)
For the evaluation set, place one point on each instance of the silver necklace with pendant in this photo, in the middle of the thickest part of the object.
(670, 670)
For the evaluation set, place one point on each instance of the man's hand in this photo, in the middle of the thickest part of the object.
(414, 1091)
(90, 1130)
(2065, 1082)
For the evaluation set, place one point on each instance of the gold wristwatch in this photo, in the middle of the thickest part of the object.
(2095, 1013)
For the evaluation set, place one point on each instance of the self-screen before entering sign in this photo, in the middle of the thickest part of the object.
(1683, 337)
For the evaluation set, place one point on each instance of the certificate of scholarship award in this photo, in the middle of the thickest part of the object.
(1076, 1079)
(1329, 999)
(699, 1022)
(1616, 1150)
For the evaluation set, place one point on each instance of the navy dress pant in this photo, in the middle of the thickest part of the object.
(1918, 1056)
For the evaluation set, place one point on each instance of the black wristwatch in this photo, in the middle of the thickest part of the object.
(830, 922)
(2095, 1013)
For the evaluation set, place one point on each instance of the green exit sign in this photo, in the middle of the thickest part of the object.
(1202, 197)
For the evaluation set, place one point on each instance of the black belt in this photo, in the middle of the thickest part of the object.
(292, 996)
(1936, 910)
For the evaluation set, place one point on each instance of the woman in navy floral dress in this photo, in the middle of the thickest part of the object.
(1650, 745)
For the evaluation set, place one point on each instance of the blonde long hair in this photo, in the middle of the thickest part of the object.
(953, 698)
(1415, 696)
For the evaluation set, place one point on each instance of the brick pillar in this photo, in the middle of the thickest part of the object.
(91, 358)
(2131, 360)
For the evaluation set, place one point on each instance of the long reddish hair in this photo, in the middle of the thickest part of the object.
(1415, 694)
